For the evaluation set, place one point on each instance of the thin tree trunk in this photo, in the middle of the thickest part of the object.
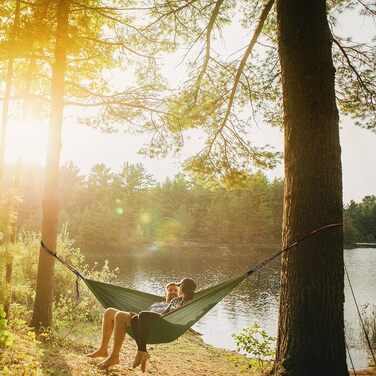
(311, 323)
(29, 83)
(8, 89)
(4, 121)
(3, 142)
(42, 314)
(12, 240)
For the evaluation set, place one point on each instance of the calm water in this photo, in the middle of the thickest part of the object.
(255, 299)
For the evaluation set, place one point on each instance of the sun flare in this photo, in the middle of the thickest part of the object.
(27, 140)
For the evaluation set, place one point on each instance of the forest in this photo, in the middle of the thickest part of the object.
(130, 210)
(360, 221)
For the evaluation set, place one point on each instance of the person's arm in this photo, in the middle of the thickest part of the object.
(167, 309)
(174, 302)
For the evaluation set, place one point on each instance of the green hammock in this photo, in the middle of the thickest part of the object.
(172, 325)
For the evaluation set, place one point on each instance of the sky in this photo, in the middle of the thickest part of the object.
(86, 146)
(358, 155)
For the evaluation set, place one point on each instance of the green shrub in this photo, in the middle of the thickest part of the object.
(68, 311)
(257, 344)
(6, 338)
(5, 257)
(369, 319)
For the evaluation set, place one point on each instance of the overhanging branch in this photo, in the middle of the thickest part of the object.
(209, 30)
(242, 64)
(359, 78)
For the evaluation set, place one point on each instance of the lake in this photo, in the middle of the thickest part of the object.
(255, 299)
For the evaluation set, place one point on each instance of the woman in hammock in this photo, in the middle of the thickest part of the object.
(117, 321)
(140, 323)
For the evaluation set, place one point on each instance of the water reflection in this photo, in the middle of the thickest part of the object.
(255, 299)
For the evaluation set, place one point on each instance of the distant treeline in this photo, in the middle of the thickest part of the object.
(107, 211)
(360, 221)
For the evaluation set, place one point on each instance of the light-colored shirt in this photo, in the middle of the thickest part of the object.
(158, 307)
(175, 303)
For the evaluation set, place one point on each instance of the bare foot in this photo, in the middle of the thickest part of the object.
(138, 358)
(144, 361)
(109, 362)
(98, 353)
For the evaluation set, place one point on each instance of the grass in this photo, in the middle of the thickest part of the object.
(189, 355)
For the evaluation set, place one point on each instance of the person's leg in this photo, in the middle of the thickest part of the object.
(144, 362)
(107, 329)
(144, 319)
(122, 320)
(142, 356)
(134, 326)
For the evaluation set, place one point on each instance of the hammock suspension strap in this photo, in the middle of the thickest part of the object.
(351, 360)
(67, 265)
(172, 325)
(250, 272)
(271, 258)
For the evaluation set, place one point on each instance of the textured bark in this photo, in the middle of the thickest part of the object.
(42, 313)
(311, 323)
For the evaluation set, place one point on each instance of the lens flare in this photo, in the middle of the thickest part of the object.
(119, 210)
(170, 232)
(145, 218)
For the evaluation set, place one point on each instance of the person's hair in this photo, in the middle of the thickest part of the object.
(170, 284)
(188, 292)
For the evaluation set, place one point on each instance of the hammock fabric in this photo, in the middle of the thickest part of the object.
(172, 325)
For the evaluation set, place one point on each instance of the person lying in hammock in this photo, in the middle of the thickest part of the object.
(140, 323)
(117, 321)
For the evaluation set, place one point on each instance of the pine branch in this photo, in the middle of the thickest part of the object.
(209, 30)
(367, 8)
(108, 8)
(358, 76)
(169, 13)
(242, 64)
(119, 44)
(108, 103)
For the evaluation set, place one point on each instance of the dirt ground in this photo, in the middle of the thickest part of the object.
(188, 356)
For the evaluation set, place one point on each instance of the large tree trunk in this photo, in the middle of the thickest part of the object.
(311, 323)
(42, 314)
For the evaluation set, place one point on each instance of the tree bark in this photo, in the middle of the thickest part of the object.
(42, 314)
(311, 323)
